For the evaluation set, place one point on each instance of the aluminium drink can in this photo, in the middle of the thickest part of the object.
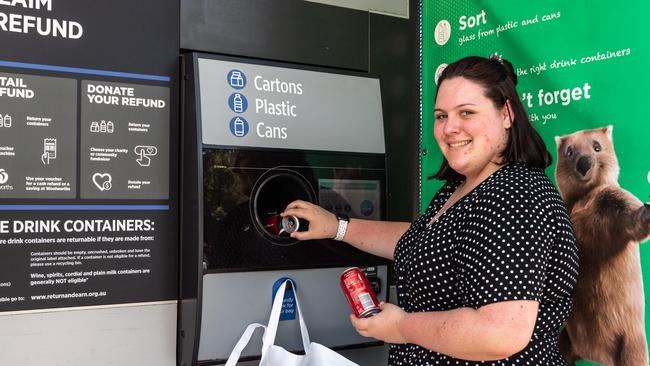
(290, 224)
(358, 292)
(282, 226)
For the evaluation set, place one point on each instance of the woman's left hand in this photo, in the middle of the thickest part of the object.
(384, 326)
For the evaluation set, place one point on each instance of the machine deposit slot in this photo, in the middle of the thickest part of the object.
(272, 192)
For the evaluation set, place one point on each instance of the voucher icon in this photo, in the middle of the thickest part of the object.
(49, 151)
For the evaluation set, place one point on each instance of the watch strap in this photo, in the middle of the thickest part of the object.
(343, 226)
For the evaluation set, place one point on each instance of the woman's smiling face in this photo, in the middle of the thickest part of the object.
(470, 130)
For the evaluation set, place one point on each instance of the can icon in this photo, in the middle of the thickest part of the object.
(358, 292)
(238, 126)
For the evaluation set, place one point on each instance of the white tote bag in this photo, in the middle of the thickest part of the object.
(272, 355)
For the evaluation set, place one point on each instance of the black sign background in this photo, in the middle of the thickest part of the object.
(118, 35)
(111, 267)
(139, 37)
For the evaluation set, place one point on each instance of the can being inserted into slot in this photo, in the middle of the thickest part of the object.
(282, 226)
(290, 224)
(359, 294)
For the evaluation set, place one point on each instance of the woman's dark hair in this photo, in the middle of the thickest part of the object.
(498, 79)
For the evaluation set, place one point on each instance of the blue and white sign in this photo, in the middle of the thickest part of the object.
(238, 102)
(239, 126)
(289, 302)
(289, 108)
(236, 79)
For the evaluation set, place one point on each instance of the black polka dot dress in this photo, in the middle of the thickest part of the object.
(508, 239)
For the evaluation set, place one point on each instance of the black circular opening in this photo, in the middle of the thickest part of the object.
(271, 194)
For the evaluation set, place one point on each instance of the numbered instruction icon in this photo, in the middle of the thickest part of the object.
(239, 126)
(238, 103)
(236, 79)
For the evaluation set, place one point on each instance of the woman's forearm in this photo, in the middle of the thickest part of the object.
(375, 237)
(491, 332)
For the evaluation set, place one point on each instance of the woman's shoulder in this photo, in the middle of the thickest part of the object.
(520, 183)
(525, 194)
(522, 177)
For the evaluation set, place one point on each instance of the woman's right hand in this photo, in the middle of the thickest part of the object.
(322, 223)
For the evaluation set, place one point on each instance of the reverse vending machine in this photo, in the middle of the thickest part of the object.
(256, 136)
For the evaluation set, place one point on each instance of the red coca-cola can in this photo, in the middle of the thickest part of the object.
(357, 290)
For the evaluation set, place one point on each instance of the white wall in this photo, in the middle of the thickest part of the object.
(117, 336)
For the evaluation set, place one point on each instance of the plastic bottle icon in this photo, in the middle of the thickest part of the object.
(7, 120)
(102, 126)
(238, 103)
(110, 127)
(94, 127)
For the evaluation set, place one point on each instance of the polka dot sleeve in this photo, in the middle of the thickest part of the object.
(504, 245)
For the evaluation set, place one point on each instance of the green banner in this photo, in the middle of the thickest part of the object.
(582, 68)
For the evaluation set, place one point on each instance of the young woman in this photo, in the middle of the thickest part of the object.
(485, 276)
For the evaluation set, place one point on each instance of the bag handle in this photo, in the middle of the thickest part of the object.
(241, 344)
(274, 319)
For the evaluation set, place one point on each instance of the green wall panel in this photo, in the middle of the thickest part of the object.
(580, 64)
